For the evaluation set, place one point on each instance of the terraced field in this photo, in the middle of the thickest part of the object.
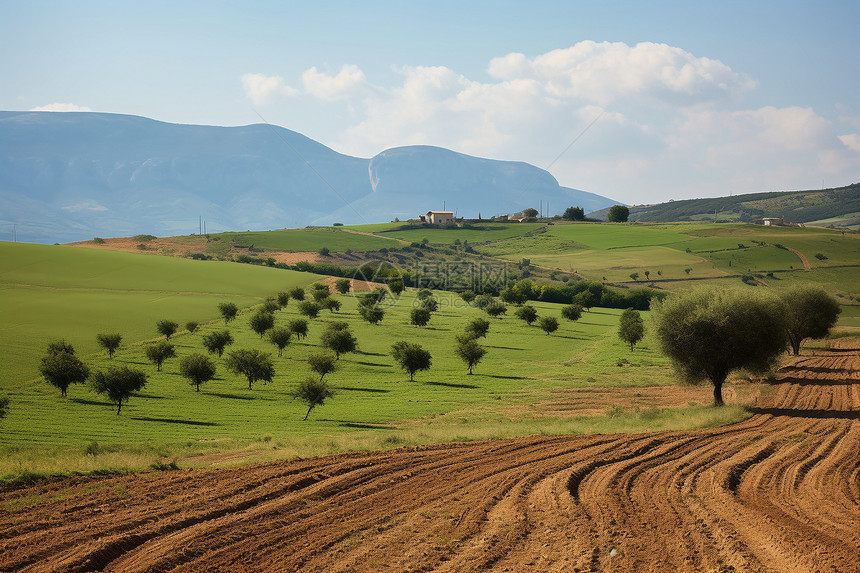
(777, 492)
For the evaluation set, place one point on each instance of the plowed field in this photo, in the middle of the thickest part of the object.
(778, 492)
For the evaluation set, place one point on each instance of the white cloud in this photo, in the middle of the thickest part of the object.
(262, 89)
(851, 141)
(84, 206)
(607, 72)
(671, 124)
(347, 82)
(61, 107)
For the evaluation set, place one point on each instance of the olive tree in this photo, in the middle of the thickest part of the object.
(527, 313)
(372, 314)
(709, 333)
(309, 308)
(159, 352)
(299, 327)
(618, 214)
(252, 364)
(548, 324)
(411, 357)
(118, 384)
(228, 311)
(338, 338)
(419, 316)
(809, 313)
(167, 327)
(312, 392)
(109, 342)
(261, 321)
(297, 293)
(198, 368)
(4, 406)
(396, 286)
(342, 285)
(478, 327)
(216, 341)
(331, 304)
(280, 336)
(496, 309)
(283, 299)
(571, 312)
(469, 351)
(61, 368)
(631, 329)
(191, 326)
(322, 363)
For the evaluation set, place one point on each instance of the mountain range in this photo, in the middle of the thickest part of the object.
(72, 176)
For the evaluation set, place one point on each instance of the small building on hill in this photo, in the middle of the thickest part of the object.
(774, 221)
(438, 217)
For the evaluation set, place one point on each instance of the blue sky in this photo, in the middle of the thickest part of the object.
(683, 99)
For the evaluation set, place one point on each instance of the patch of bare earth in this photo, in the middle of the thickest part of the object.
(778, 492)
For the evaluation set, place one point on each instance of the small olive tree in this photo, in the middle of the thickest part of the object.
(280, 336)
(548, 324)
(478, 327)
(191, 326)
(322, 363)
(118, 384)
(159, 352)
(261, 321)
(309, 308)
(109, 342)
(411, 357)
(343, 285)
(215, 342)
(339, 339)
(709, 333)
(4, 406)
(228, 311)
(571, 312)
(252, 364)
(312, 392)
(809, 313)
(299, 327)
(61, 368)
(631, 329)
(420, 316)
(527, 313)
(297, 293)
(198, 368)
(167, 327)
(469, 351)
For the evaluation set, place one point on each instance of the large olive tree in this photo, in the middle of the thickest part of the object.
(709, 333)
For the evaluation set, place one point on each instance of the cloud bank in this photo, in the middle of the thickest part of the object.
(61, 107)
(671, 124)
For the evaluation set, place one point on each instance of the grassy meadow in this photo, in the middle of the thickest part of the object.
(50, 292)
(376, 406)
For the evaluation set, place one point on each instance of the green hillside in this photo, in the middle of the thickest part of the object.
(49, 292)
(837, 207)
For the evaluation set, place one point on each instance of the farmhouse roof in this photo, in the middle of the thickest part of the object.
(441, 212)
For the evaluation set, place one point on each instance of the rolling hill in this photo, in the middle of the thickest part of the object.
(72, 176)
(838, 207)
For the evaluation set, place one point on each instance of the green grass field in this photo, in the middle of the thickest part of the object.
(50, 292)
(446, 236)
(376, 405)
(336, 239)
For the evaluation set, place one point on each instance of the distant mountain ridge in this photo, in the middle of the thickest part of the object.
(72, 176)
(837, 207)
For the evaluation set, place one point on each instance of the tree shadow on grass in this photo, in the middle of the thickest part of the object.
(372, 390)
(229, 396)
(504, 347)
(451, 385)
(369, 353)
(91, 402)
(502, 377)
(373, 364)
(363, 426)
(175, 421)
(151, 396)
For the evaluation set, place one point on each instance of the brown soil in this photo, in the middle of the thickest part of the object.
(777, 492)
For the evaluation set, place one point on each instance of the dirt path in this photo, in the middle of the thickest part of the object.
(802, 258)
(777, 492)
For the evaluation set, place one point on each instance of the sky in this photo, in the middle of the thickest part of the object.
(642, 102)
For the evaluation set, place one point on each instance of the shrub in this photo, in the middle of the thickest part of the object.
(191, 326)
